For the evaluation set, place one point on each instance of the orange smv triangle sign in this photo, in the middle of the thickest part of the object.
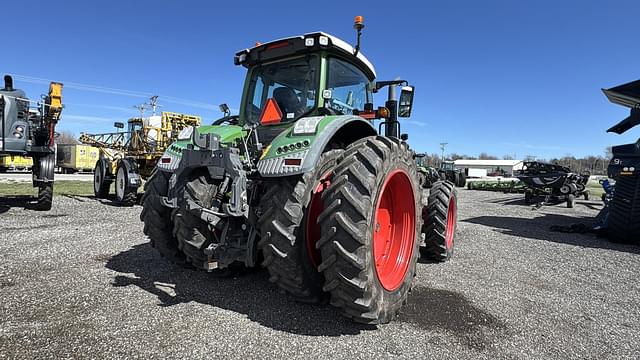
(271, 113)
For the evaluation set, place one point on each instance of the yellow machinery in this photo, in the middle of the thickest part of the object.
(130, 156)
(15, 162)
(77, 157)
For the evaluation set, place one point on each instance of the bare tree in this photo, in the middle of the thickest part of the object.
(485, 156)
(67, 137)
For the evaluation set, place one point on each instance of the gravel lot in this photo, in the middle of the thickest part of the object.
(82, 281)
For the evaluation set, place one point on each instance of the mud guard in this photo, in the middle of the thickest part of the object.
(132, 173)
(342, 127)
(43, 169)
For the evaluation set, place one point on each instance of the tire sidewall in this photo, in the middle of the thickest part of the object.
(326, 163)
(125, 179)
(394, 161)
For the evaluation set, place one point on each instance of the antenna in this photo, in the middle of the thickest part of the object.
(358, 24)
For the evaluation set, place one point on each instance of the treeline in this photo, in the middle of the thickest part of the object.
(596, 165)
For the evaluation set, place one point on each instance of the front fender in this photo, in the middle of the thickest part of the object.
(306, 149)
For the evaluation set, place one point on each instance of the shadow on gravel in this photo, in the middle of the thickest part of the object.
(251, 294)
(109, 201)
(18, 201)
(593, 205)
(437, 310)
(538, 229)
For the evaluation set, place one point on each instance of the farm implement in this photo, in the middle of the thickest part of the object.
(554, 183)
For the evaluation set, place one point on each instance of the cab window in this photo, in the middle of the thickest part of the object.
(350, 87)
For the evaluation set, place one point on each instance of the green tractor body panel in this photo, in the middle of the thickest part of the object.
(292, 153)
(229, 135)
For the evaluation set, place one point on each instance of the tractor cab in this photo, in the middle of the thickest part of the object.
(135, 133)
(312, 76)
(447, 166)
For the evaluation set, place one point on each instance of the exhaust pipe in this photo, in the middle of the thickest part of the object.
(8, 83)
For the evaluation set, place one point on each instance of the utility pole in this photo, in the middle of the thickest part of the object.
(154, 104)
(142, 108)
(443, 145)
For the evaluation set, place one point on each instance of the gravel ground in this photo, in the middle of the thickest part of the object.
(82, 281)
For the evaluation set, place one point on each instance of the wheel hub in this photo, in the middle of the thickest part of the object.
(394, 229)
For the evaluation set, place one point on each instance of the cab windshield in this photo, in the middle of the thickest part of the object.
(291, 83)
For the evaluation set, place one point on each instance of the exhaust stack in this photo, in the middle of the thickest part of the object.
(8, 83)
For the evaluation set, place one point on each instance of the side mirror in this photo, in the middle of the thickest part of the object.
(404, 137)
(406, 101)
(224, 108)
(118, 125)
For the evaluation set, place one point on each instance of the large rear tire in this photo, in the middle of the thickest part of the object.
(624, 223)
(157, 218)
(440, 218)
(371, 230)
(289, 230)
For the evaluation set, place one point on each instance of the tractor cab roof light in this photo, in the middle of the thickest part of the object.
(309, 42)
(323, 40)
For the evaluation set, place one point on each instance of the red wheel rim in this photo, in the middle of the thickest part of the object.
(394, 230)
(451, 224)
(316, 206)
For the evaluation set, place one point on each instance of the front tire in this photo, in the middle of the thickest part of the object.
(126, 195)
(45, 197)
(101, 173)
(43, 170)
(371, 230)
(157, 218)
(290, 231)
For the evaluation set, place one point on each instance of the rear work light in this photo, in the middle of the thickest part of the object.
(292, 162)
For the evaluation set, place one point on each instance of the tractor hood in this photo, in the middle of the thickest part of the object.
(626, 95)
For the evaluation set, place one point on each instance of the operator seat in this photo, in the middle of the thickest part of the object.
(288, 101)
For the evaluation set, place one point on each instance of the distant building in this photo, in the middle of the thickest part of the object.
(481, 168)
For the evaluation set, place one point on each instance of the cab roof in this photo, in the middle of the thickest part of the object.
(307, 43)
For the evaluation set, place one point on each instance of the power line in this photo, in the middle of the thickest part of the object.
(116, 91)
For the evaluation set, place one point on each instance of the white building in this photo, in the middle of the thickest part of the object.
(481, 168)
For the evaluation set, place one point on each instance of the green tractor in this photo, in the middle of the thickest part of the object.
(427, 175)
(449, 172)
(302, 183)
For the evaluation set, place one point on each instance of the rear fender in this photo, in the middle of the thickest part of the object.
(332, 132)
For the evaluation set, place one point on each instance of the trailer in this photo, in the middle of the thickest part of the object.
(15, 162)
(74, 158)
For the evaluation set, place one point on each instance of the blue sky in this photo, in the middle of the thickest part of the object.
(503, 77)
